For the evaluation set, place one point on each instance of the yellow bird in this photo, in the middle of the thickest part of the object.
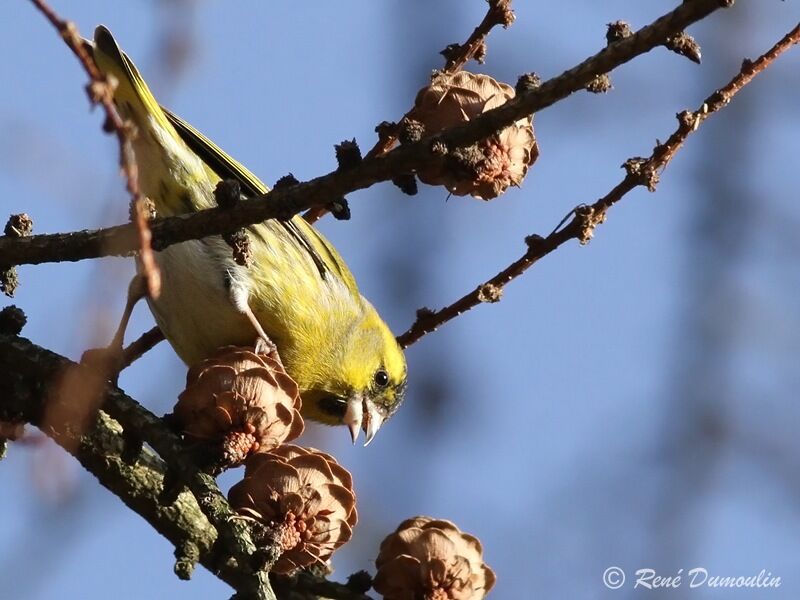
(297, 292)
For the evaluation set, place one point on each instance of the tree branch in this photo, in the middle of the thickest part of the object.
(639, 172)
(31, 381)
(122, 240)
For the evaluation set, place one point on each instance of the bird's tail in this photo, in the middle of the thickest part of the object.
(132, 96)
(170, 174)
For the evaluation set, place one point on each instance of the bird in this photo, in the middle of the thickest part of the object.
(297, 292)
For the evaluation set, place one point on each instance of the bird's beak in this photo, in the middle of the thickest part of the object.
(362, 414)
(374, 421)
(353, 417)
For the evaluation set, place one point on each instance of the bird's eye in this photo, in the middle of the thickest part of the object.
(381, 378)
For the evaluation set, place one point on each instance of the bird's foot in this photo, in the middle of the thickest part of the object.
(107, 362)
(264, 345)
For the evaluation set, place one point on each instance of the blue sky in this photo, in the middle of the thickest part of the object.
(561, 425)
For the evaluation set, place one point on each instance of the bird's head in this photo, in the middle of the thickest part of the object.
(365, 380)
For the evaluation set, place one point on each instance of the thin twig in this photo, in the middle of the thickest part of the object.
(282, 203)
(640, 172)
(140, 346)
(458, 55)
(101, 91)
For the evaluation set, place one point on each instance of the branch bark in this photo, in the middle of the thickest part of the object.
(31, 384)
(29, 377)
(110, 448)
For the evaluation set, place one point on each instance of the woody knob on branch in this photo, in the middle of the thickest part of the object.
(237, 403)
(431, 559)
(488, 167)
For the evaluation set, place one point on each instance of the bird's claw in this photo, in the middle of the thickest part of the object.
(266, 346)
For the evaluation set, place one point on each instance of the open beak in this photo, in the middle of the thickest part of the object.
(362, 414)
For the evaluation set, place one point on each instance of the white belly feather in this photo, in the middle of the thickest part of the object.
(197, 309)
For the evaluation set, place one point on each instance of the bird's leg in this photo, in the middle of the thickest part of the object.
(109, 359)
(263, 344)
(137, 289)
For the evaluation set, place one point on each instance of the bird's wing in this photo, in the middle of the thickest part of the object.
(324, 255)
